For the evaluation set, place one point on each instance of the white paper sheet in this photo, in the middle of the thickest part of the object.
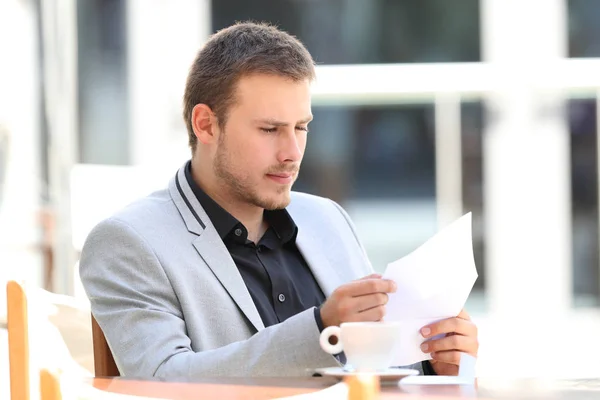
(434, 282)
(466, 375)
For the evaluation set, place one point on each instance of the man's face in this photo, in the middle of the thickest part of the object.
(261, 147)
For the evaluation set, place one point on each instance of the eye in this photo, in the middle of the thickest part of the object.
(302, 128)
(269, 130)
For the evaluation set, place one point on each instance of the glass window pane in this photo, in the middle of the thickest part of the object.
(102, 82)
(584, 192)
(584, 28)
(371, 152)
(368, 31)
(472, 122)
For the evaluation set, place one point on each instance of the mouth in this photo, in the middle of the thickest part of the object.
(282, 177)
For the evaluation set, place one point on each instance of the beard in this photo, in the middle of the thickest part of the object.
(240, 185)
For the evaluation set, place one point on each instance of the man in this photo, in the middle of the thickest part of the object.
(226, 272)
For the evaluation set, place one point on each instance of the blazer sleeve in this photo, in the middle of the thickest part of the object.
(135, 305)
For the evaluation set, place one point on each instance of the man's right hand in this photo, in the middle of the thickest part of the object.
(361, 300)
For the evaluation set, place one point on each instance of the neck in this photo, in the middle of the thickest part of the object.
(251, 216)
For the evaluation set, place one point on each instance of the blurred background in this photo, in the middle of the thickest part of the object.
(424, 110)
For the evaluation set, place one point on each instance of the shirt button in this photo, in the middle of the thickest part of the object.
(281, 297)
(238, 232)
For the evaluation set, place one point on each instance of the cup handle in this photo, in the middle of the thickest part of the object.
(324, 340)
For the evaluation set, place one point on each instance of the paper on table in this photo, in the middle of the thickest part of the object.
(434, 282)
(466, 375)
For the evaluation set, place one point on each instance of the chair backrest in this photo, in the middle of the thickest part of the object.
(18, 341)
(49, 386)
(104, 362)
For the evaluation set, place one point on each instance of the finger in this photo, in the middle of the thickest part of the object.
(448, 357)
(451, 325)
(369, 301)
(368, 286)
(372, 315)
(460, 343)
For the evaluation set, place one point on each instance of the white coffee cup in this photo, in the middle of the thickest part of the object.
(368, 346)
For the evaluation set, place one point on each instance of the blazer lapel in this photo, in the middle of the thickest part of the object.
(211, 248)
(314, 251)
(215, 255)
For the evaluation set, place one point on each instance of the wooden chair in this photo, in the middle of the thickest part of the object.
(104, 362)
(49, 386)
(18, 341)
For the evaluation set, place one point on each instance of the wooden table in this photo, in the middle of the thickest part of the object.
(270, 388)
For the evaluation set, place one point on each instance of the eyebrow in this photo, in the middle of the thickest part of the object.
(274, 122)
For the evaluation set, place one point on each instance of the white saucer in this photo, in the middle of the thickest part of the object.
(387, 375)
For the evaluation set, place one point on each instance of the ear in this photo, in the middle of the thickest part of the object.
(204, 123)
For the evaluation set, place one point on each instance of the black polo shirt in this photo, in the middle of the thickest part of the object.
(278, 278)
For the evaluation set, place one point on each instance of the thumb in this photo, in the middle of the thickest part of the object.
(464, 315)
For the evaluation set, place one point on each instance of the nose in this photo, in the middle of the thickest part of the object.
(291, 147)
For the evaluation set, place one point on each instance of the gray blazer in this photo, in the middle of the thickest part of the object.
(172, 302)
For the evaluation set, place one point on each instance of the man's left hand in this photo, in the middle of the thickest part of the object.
(460, 336)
